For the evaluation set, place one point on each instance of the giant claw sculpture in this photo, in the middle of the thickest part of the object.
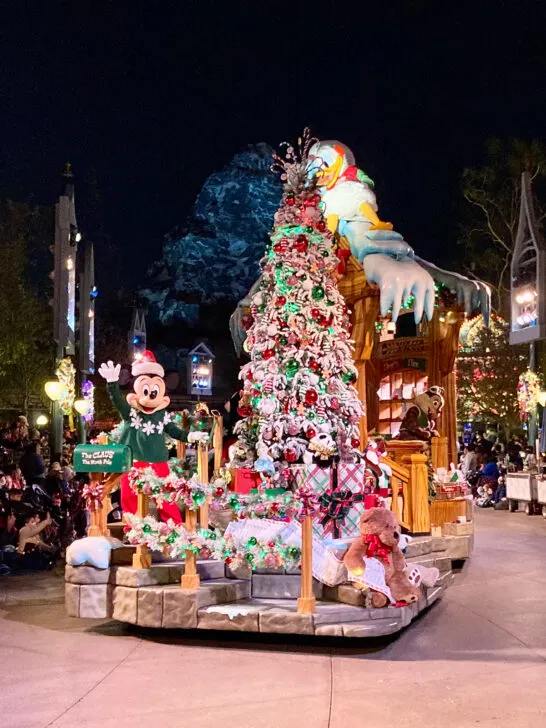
(350, 208)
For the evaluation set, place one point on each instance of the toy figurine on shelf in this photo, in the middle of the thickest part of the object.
(145, 424)
(419, 422)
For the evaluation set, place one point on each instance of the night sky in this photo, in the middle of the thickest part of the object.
(157, 96)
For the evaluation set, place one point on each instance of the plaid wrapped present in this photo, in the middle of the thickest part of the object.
(342, 507)
(341, 497)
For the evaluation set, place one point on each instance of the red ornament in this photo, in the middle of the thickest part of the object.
(322, 321)
(314, 365)
(301, 244)
(290, 456)
(245, 410)
(271, 544)
(310, 432)
(246, 322)
(334, 403)
(268, 353)
(311, 396)
(321, 226)
(281, 300)
(315, 313)
(290, 201)
(355, 442)
(218, 492)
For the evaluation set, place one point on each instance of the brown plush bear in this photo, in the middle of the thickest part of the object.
(380, 534)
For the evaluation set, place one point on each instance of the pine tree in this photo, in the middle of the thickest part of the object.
(298, 386)
(487, 374)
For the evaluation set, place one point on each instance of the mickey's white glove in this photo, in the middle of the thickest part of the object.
(110, 371)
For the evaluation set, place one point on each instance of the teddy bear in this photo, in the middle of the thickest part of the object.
(380, 539)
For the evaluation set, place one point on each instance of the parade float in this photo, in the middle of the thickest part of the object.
(338, 512)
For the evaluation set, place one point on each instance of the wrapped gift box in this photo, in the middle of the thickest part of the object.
(243, 480)
(342, 499)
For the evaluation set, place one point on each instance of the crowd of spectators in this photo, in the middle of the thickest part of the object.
(41, 507)
(485, 462)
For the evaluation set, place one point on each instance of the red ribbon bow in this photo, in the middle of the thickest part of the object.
(376, 547)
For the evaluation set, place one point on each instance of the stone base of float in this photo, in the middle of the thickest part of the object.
(236, 600)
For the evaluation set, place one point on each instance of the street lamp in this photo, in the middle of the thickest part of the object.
(81, 406)
(42, 420)
(54, 390)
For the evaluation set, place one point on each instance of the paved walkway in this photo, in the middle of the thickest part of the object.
(478, 658)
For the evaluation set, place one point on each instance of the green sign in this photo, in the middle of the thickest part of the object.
(102, 459)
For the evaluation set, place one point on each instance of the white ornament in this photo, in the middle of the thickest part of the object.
(267, 406)
(272, 329)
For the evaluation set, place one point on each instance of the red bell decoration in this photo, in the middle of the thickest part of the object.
(311, 396)
(290, 455)
(268, 353)
(321, 226)
(310, 433)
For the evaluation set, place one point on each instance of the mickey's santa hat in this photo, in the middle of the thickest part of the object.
(145, 363)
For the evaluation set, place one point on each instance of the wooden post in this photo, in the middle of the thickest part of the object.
(203, 475)
(95, 526)
(218, 440)
(439, 453)
(420, 511)
(180, 450)
(307, 601)
(190, 578)
(361, 388)
(142, 559)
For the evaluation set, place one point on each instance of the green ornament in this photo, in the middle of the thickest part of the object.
(348, 377)
(283, 341)
(212, 536)
(252, 541)
(249, 557)
(317, 293)
(325, 253)
(291, 367)
(146, 528)
(199, 497)
(308, 229)
(310, 415)
(294, 552)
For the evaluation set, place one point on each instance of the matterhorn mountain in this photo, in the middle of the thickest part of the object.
(213, 258)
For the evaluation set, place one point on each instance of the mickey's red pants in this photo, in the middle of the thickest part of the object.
(129, 498)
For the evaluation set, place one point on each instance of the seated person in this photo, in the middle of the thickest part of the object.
(33, 552)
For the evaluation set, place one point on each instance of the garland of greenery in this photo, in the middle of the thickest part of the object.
(176, 541)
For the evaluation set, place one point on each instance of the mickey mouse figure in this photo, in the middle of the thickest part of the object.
(145, 423)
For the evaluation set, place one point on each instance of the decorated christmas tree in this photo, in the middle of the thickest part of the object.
(298, 401)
